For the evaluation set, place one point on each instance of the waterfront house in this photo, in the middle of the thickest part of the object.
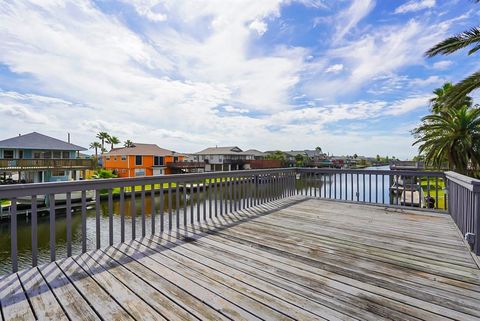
(35, 158)
(232, 158)
(141, 160)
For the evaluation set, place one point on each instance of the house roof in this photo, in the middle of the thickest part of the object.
(142, 149)
(255, 152)
(229, 150)
(38, 141)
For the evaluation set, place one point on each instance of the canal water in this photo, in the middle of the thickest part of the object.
(24, 224)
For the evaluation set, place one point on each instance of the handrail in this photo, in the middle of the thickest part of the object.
(183, 199)
(464, 205)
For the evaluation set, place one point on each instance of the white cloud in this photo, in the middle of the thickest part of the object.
(350, 17)
(442, 65)
(259, 26)
(232, 109)
(415, 5)
(334, 68)
(408, 105)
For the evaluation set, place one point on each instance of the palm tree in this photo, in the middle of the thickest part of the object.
(128, 143)
(113, 140)
(96, 146)
(451, 136)
(103, 136)
(469, 38)
(438, 104)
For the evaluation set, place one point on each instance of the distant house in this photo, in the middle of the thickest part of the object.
(233, 158)
(223, 158)
(36, 158)
(141, 160)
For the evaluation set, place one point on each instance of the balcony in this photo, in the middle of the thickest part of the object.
(40, 164)
(279, 244)
(186, 165)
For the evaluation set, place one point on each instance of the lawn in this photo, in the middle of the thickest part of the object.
(424, 182)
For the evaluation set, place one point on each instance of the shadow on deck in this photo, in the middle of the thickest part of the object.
(297, 258)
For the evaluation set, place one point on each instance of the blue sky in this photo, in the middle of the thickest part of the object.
(349, 76)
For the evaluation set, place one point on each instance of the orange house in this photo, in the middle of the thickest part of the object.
(140, 160)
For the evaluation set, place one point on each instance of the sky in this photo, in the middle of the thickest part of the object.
(349, 76)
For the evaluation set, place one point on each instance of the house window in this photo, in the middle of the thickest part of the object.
(124, 157)
(158, 161)
(107, 157)
(57, 154)
(139, 172)
(138, 160)
(175, 159)
(20, 154)
(8, 154)
(115, 158)
(47, 155)
(66, 155)
(37, 155)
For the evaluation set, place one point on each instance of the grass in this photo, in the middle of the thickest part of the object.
(116, 191)
(434, 189)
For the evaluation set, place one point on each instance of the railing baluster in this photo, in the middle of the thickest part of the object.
(192, 195)
(436, 192)
(215, 195)
(133, 212)
(209, 191)
(84, 221)
(122, 214)
(198, 201)
(204, 199)
(110, 217)
(170, 210)
(34, 231)
(185, 219)
(69, 223)
(177, 206)
(221, 195)
(152, 208)
(51, 198)
(162, 208)
(13, 234)
(143, 211)
(230, 192)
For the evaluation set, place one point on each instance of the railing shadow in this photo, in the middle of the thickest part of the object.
(84, 265)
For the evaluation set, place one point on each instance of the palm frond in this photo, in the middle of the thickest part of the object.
(452, 44)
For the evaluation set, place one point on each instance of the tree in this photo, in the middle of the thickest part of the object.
(113, 140)
(128, 143)
(469, 38)
(318, 149)
(451, 136)
(103, 136)
(438, 103)
(96, 146)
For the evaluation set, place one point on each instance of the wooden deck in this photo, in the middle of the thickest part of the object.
(296, 259)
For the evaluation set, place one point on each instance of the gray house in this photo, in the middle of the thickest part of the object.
(35, 158)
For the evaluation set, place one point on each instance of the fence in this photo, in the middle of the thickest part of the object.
(175, 201)
(464, 205)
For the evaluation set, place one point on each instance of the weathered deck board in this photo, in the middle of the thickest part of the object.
(302, 259)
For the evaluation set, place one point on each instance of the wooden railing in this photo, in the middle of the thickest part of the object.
(392, 188)
(21, 164)
(464, 205)
(185, 199)
(156, 204)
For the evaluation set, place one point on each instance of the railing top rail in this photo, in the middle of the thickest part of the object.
(19, 190)
(470, 183)
(373, 172)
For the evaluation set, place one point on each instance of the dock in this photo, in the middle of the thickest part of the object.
(296, 258)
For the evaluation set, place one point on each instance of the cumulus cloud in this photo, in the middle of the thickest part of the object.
(442, 65)
(415, 5)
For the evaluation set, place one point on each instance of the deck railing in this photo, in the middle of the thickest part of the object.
(22, 164)
(174, 201)
(392, 188)
(464, 205)
(118, 210)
